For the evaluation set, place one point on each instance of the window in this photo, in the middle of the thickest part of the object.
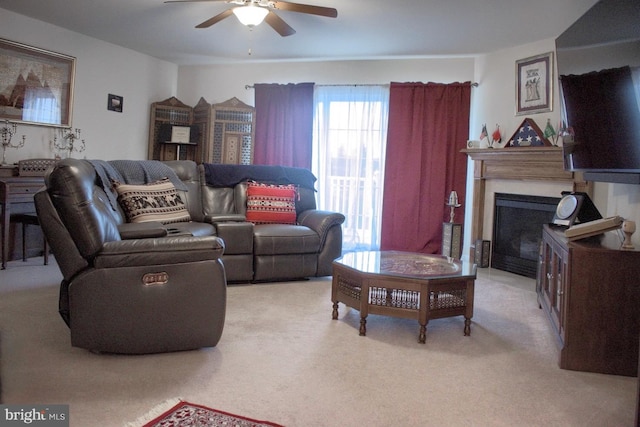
(349, 142)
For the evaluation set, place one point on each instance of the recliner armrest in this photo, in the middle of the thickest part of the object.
(320, 221)
(158, 251)
(141, 230)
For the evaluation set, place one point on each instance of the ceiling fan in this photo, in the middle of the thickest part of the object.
(253, 12)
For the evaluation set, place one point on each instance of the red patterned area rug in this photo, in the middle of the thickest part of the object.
(186, 414)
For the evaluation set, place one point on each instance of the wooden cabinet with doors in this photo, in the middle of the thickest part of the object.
(552, 283)
(590, 291)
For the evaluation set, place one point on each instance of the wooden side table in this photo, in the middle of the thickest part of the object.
(451, 239)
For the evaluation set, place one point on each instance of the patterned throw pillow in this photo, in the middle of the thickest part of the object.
(271, 204)
(157, 201)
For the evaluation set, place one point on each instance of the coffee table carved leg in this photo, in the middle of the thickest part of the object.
(467, 326)
(334, 315)
(363, 326)
(423, 334)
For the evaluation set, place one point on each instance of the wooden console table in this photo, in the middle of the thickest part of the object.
(589, 290)
(16, 194)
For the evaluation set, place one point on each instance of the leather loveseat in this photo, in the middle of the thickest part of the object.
(304, 247)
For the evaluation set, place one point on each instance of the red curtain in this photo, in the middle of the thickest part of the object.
(284, 125)
(428, 126)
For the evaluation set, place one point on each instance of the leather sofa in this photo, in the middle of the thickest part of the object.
(147, 287)
(217, 203)
(129, 288)
(216, 199)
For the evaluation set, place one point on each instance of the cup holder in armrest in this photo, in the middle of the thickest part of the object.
(141, 230)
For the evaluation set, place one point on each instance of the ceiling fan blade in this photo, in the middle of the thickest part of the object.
(279, 25)
(194, 1)
(306, 8)
(219, 17)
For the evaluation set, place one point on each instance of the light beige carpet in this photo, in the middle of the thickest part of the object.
(282, 358)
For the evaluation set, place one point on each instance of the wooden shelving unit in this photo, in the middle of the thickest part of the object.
(221, 133)
(170, 112)
(233, 134)
(202, 118)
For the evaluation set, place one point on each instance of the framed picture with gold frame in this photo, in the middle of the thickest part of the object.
(36, 85)
(534, 84)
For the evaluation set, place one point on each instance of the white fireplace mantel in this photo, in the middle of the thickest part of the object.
(515, 164)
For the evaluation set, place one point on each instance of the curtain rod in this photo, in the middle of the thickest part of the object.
(337, 85)
(474, 84)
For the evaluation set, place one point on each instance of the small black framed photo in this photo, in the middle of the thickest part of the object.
(114, 103)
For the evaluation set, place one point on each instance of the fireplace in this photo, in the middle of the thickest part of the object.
(517, 231)
(538, 169)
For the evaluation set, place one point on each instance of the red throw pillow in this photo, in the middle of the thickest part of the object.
(271, 204)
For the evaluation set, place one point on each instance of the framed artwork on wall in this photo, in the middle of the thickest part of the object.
(534, 84)
(36, 85)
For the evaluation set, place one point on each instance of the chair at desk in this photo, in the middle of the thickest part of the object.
(30, 219)
(32, 167)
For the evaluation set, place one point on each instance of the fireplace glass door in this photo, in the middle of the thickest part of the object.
(517, 231)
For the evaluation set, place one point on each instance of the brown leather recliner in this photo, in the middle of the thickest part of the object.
(148, 293)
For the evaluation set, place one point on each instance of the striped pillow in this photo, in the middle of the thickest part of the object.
(271, 204)
(157, 201)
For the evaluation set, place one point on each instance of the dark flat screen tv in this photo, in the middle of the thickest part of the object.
(598, 61)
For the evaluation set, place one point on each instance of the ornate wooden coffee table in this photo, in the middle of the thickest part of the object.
(404, 284)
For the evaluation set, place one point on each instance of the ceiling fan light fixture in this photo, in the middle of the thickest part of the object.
(250, 15)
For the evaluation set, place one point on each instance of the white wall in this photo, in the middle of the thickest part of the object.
(494, 103)
(218, 83)
(101, 68)
(104, 68)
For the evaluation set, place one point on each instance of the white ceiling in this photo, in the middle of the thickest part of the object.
(364, 29)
